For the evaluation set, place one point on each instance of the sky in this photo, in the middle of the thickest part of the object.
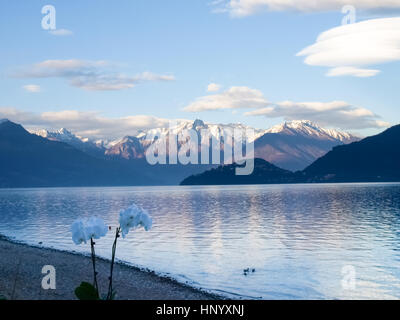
(137, 64)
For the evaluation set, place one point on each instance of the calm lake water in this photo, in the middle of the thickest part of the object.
(304, 241)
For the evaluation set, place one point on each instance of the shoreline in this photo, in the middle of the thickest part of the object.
(21, 276)
(204, 185)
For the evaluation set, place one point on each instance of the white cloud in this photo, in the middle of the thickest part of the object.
(61, 32)
(352, 71)
(88, 75)
(149, 76)
(32, 88)
(349, 48)
(233, 98)
(242, 8)
(86, 124)
(336, 113)
(213, 87)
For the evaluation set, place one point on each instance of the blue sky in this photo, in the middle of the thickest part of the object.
(187, 42)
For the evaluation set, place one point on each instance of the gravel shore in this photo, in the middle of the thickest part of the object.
(21, 277)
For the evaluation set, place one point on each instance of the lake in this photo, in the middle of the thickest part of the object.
(315, 241)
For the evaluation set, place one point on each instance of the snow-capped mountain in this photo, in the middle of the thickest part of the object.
(216, 130)
(311, 129)
(128, 148)
(29, 160)
(135, 147)
(60, 135)
(95, 148)
(292, 145)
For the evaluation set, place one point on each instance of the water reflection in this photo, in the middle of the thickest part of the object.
(297, 237)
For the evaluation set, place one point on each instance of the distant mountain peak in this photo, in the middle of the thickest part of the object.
(301, 122)
(4, 120)
(311, 129)
(64, 135)
(59, 135)
(294, 124)
(65, 131)
(128, 147)
(129, 139)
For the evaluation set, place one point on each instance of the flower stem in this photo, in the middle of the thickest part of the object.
(114, 247)
(92, 243)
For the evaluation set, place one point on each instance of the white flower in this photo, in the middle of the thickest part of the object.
(145, 221)
(95, 228)
(84, 230)
(79, 232)
(132, 218)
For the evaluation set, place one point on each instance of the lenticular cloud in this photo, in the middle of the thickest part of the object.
(242, 8)
(348, 49)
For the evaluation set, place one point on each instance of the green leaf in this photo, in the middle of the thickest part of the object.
(86, 291)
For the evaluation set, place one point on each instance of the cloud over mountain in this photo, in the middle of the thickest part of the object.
(339, 114)
(88, 124)
(233, 98)
(336, 113)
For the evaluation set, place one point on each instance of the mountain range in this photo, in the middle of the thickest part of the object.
(373, 159)
(45, 158)
(28, 160)
(292, 145)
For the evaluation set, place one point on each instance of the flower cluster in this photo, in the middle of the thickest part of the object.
(95, 228)
(84, 230)
(132, 218)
